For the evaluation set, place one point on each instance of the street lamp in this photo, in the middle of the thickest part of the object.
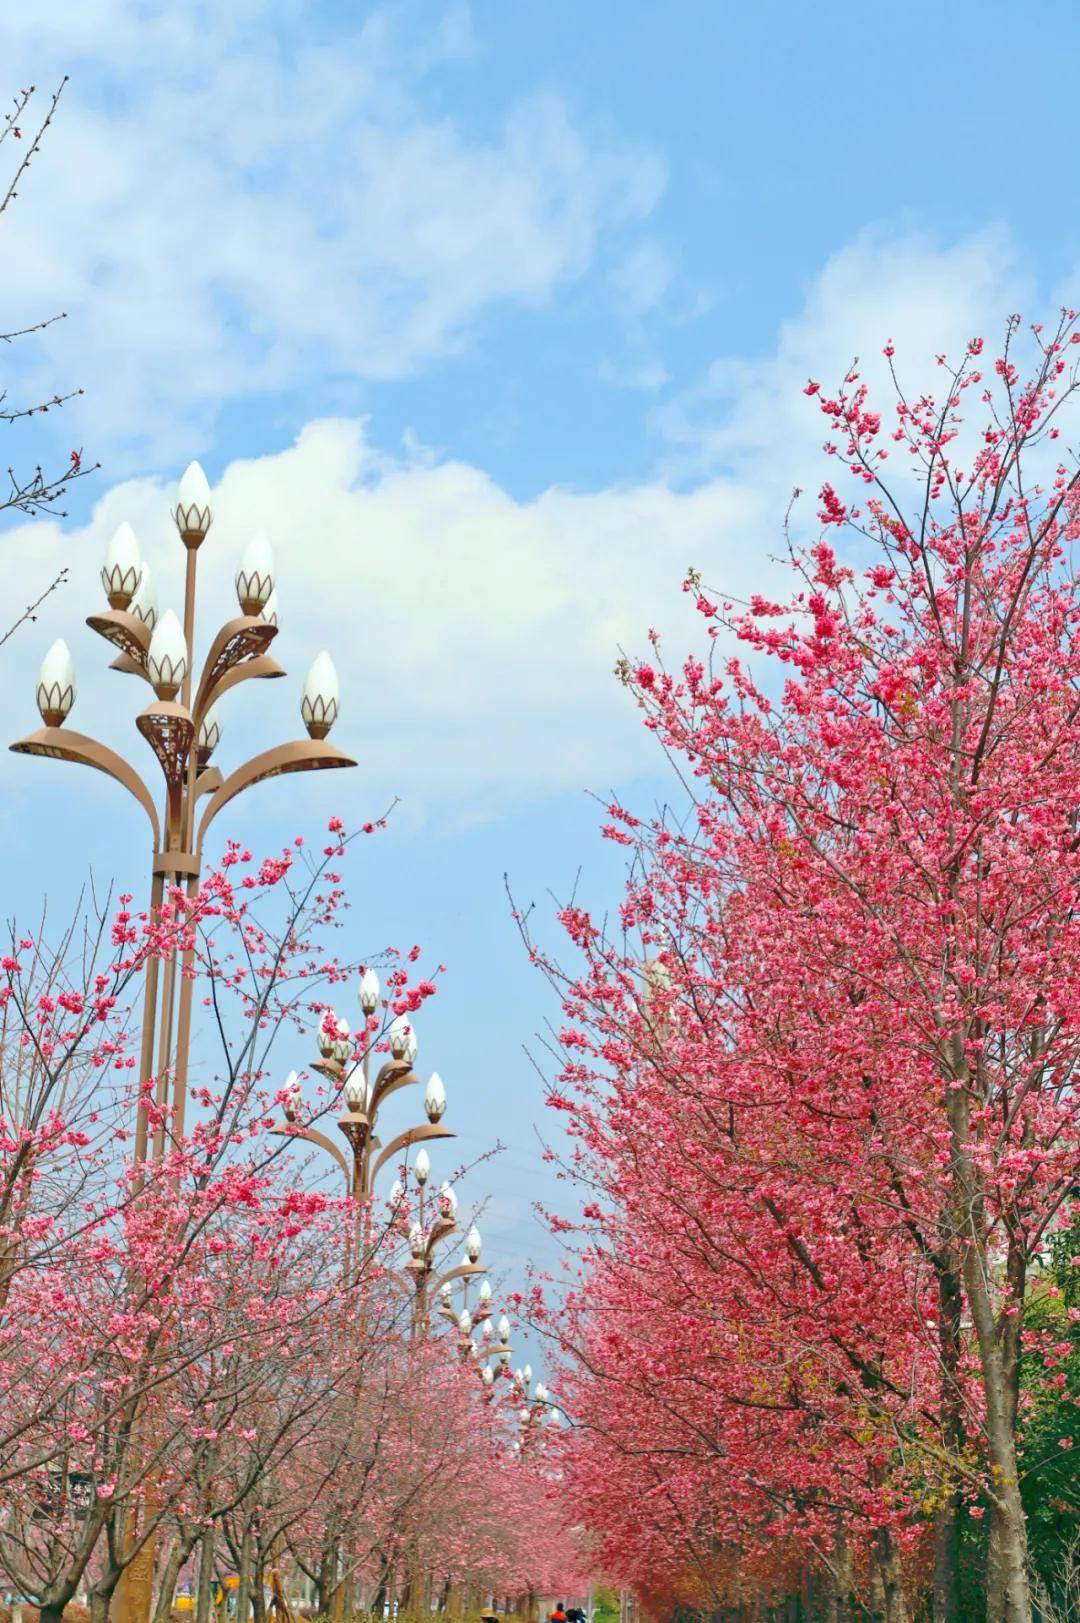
(339, 1063)
(535, 1408)
(491, 1356)
(181, 724)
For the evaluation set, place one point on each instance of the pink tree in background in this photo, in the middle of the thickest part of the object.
(837, 1114)
(130, 1291)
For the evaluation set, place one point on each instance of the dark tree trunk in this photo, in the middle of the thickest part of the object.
(258, 1591)
(946, 1600)
(243, 1587)
(203, 1604)
(181, 1548)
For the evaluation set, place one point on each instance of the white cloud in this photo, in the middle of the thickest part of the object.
(475, 635)
(231, 204)
(750, 417)
(475, 632)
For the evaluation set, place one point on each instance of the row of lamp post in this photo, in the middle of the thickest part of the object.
(182, 724)
(347, 1065)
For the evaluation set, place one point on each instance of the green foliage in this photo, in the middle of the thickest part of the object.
(1050, 1419)
(605, 1606)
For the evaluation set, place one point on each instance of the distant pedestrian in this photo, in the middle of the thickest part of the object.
(559, 1614)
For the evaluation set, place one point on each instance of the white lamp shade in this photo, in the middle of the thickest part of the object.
(341, 1047)
(422, 1167)
(57, 687)
(320, 701)
(402, 1039)
(192, 511)
(144, 604)
(486, 1330)
(526, 1374)
(271, 610)
(416, 1240)
(324, 1037)
(447, 1292)
(255, 577)
(167, 660)
(123, 563)
(485, 1291)
(488, 1375)
(555, 1418)
(448, 1199)
(291, 1092)
(504, 1329)
(434, 1097)
(210, 732)
(396, 1195)
(541, 1392)
(473, 1244)
(525, 1416)
(355, 1091)
(465, 1321)
(369, 991)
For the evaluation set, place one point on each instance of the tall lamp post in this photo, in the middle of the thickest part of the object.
(181, 725)
(360, 1167)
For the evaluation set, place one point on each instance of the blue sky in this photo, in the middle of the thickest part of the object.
(495, 317)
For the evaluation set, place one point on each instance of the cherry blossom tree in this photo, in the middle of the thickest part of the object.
(822, 1082)
(130, 1316)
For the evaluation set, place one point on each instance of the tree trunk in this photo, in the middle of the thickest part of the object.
(182, 1547)
(258, 1590)
(891, 1578)
(1009, 1592)
(326, 1583)
(203, 1603)
(840, 1587)
(995, 1571)
(998, 1339)
(243, 1587)
(102, 1592)
(946, 1565)
(946, 1596)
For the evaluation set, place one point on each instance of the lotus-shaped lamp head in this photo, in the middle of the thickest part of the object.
(192, 510)
(167, 659)
(122, 567)
(144, 604)
(320, 701)
(57, 687)
(255, 577)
